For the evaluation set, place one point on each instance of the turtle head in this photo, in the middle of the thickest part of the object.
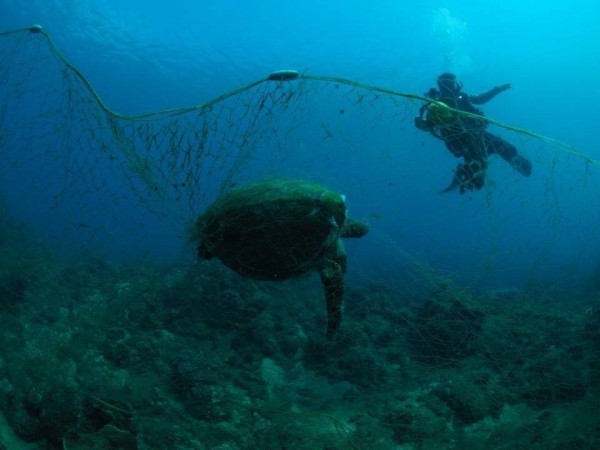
(354, 228)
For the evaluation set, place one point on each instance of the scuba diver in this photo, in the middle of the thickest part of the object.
(466, 137)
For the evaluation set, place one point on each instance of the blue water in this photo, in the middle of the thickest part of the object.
(143, 56)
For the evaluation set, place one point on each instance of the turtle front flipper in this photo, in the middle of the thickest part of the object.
(354, 228)
(332, 277)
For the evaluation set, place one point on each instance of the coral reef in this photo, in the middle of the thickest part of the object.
(199, 357)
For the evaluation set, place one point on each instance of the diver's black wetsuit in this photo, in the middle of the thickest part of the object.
(467, 138)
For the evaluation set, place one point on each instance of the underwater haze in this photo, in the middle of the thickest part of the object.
(149, 56)
(471, 318)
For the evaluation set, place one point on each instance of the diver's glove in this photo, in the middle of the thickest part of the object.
(421, 124)
(502, 88)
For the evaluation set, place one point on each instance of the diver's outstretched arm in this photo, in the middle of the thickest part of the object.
(487, 96)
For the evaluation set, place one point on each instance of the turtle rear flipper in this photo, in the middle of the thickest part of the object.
(354, 228)
(332, 277)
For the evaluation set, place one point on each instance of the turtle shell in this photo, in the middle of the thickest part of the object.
(272, 229)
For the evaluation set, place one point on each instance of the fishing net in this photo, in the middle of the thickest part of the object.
(113, 336)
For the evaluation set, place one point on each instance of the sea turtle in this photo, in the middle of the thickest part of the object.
(278, 229)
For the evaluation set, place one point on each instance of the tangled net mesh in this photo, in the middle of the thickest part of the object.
(86, 179)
